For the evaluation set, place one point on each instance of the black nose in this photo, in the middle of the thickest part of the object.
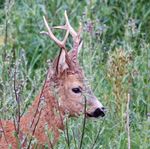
(99, 112)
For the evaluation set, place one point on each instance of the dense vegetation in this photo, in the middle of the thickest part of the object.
(115, 57)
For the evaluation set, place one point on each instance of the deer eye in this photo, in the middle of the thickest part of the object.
(76, 90)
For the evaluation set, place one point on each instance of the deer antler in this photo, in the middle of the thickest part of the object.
(69, 29)
(61, 44)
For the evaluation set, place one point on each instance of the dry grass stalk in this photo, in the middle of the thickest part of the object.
(128, 121)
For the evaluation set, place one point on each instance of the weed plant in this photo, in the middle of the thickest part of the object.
(115, 57)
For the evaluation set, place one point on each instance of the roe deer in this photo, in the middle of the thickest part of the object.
(62, 95)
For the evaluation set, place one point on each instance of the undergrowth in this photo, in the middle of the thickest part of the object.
(115, 57)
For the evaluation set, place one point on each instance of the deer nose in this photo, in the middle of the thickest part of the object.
(99, 112)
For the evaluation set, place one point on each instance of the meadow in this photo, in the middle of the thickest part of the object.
(115, 57)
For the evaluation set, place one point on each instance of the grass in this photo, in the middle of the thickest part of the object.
(115, 57)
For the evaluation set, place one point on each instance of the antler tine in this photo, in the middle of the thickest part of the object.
(69, 27)
(61, 44)
(64, 28)
(76, 37)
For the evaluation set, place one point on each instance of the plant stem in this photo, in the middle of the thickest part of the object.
(128, 122)
(84, 121)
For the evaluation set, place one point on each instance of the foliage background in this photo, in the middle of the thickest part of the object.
(115, 57)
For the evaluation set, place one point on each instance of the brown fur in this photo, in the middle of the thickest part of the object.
(56, 100)
(49, 114)
(52, 112)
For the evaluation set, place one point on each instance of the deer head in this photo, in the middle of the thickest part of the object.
(68, 76)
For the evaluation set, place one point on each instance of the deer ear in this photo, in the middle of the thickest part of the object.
(61, 63)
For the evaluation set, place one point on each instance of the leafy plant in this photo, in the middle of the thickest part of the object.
(115, 57)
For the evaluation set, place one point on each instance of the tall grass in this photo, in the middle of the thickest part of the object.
(115, 57)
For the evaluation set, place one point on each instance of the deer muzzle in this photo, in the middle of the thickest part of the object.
(99, 112)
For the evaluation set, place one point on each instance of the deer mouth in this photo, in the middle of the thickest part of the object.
(97, 113)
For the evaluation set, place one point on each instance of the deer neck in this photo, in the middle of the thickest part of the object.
(45, 113)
